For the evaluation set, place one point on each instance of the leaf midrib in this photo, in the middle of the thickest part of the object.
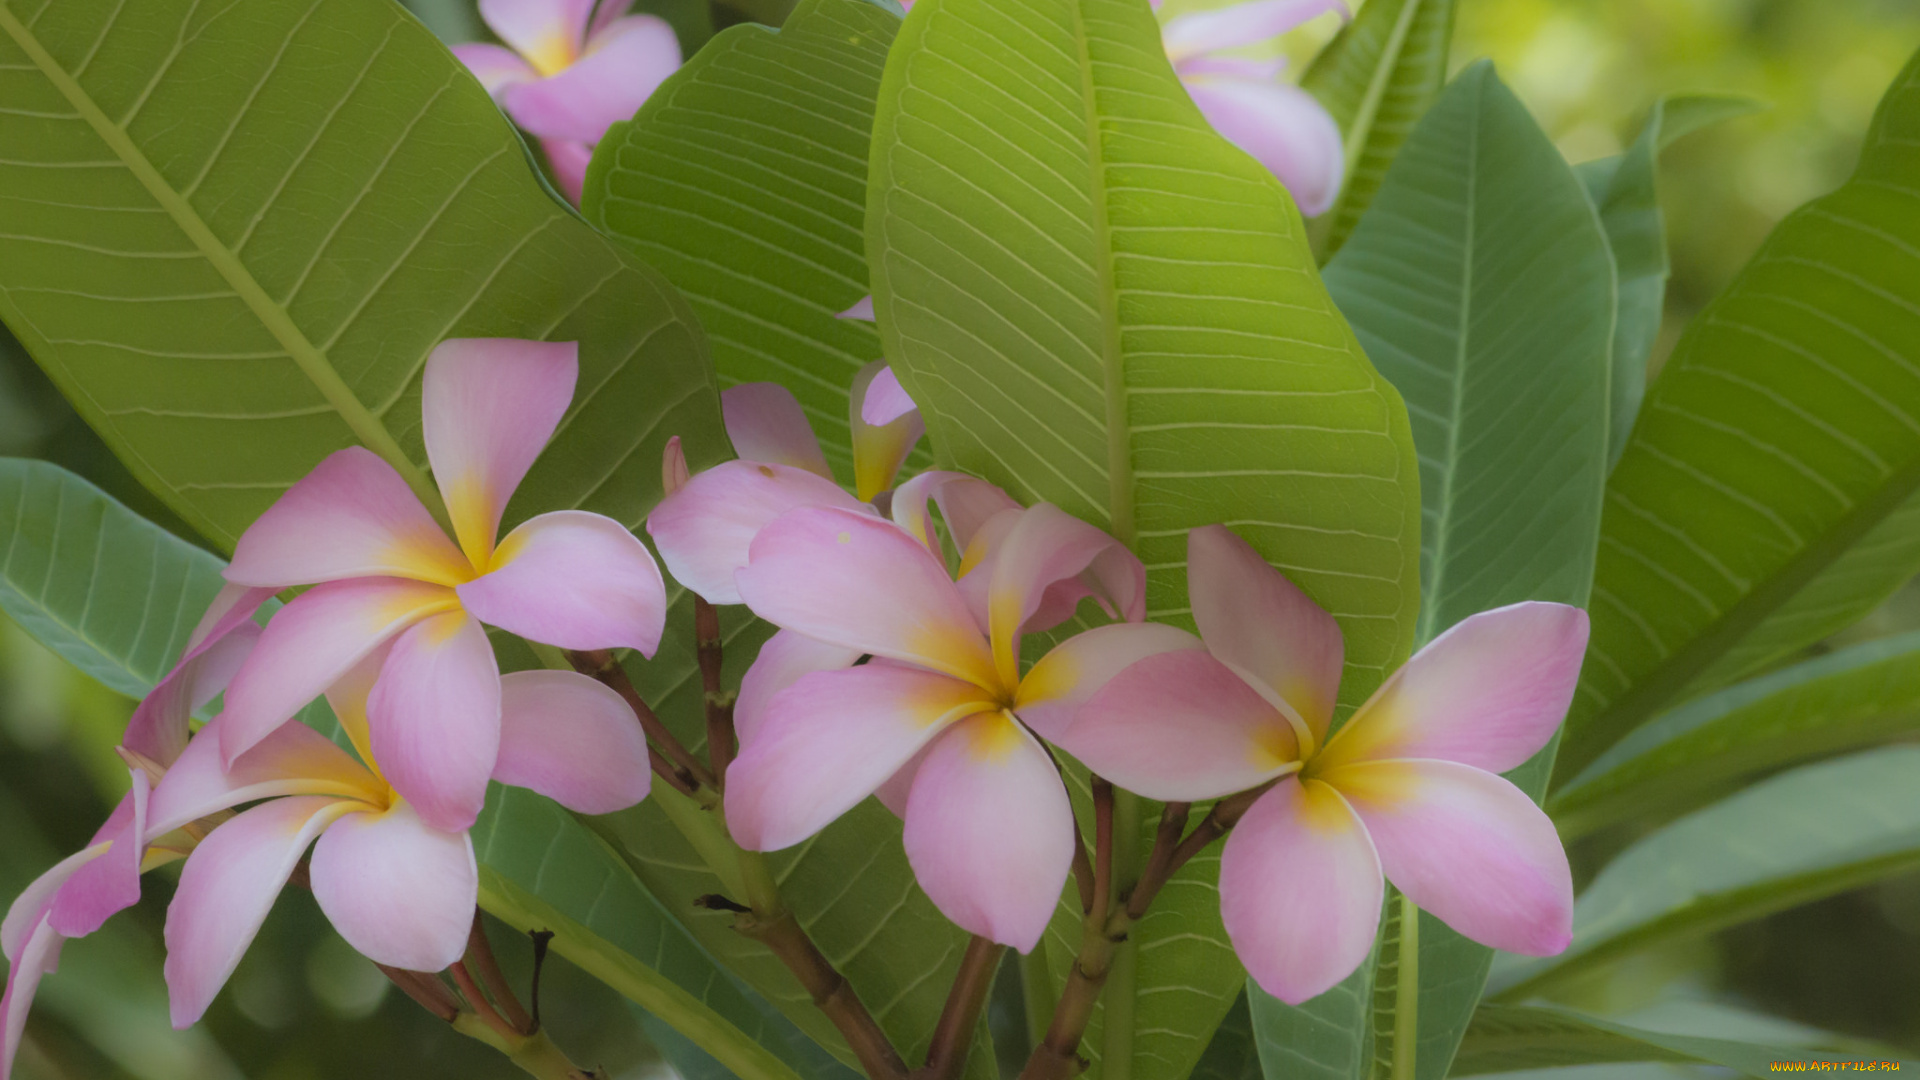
(313, 362)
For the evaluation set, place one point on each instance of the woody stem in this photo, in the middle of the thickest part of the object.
(671, 759)
(719, 702)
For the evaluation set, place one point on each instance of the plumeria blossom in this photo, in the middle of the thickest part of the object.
(387, 573)
(1408, 786)
(1281, 125)
(398, 889)
(570, 71)
(941, 715)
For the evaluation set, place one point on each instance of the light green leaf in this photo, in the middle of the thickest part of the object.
(233, 254)
(1101, 304)
(1377, 79)
(1233, 1053)
(1624, 189)
(1787, 840)
(1765, 497)
(111, 592)
(1507, 1038)
(1858, 695)
(744, 180)
(1327, 1038)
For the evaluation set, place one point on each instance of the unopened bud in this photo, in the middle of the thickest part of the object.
(673, 467)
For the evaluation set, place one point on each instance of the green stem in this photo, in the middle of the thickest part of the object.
(1036, 985)
(708, 835)
(1116, 1024)
(1406, 1017)
(535, 1054)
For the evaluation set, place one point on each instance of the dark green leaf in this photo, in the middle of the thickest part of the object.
(1506, 1038)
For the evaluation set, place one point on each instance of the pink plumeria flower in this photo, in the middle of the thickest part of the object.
(567, 79)
(1281, 125)
(398, 889)
(705, 525)
(942, 712)
(388, 573)
(1408, 786)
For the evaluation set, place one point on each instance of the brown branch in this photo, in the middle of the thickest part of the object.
(1166, 841)
(477, 1001)
(1102, 849)
(426, 990)
(831, 993)
(708, 643)
(672, 760)
(480, 955)
(947, 1053)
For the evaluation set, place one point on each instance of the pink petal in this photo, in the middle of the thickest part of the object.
(547, 32)
(233, 607)
(706, 529)
(880, 449)
(989, 830)
(766, 424)
(1300, 890)
(1240, 24)
(1045, 546)
(574, 580)
(1469, 847)
(29, 909)
(435, 719)
(965, 505)
(348, 698)
(893, 794)
(38, 955)
(673, 467)
(885, 400)
(622, 67)
(1233, 67)
(487, 408)
(861, 309)
(608, 13)
(847, 579)
(158, 727)
(497, 68)
(571, 739)
(1263, 626)
(1181, 726)
(313, 641)
(400, 891)
(1283, 128)
(828, 741)
(292, 760)
(568, 160)
(226, 889)
(1488, 693)
(782, 661)
(1075, 670)
(110, 883)
(352, 516)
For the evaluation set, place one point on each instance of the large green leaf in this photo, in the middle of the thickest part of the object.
(1765, 498)
(1507, 1038)
(1624, 189)
(1101, 304)
(1481, 284)
(231, 234)
(1858, 695)
(1327, 1038)
(111, 592)
(1377, 79)
(1790, 839)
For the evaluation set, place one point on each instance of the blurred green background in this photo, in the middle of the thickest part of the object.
(304, 1007)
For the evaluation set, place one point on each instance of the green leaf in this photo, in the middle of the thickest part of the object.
(1327, 1038)
(1624, 189)
(1233, 1053)
(234, 232)
(744, 179)
(1507, 1038)
(112, 593)
(1785, 841)
(1765, 498)
(1101, 304)
(1377, 79)
(1481, 284)
(1859, 695)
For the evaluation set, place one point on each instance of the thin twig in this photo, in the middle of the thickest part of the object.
(708, 644)
(675, 763)
(831, 993)
(952, 1035)
(1173, 822)
(427, 990)
(477, 1001)
(1102, 848)
(480, 954)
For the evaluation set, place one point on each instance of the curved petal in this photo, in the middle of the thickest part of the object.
(569, 160)
(861, 309)
(828, 741)
(989, 830)
(29, 909)
(855, 581)
(37, 956)
(1283, 128)
(965, 504)
(351, 517)
(547, 32)
(1057, 686)
(312, 642)
(1240, 24)
(233, 607)
(893, 794)
(608, 13)
(1047, 545)
(705, 530)
(782, 661)
(1256, 620)
(1488, 693)
(673, 467)
(110, 883)
(879, 449)
(487, 408)
(226, 889)
(766, 424)
(1469, 847)
(367, 862)
(575, 580)
(571, 739)
(293, 760)
(497, 68)
(622, 67)
(1181, 726)
(434, 717)
(1300, 890)
(158, 728)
